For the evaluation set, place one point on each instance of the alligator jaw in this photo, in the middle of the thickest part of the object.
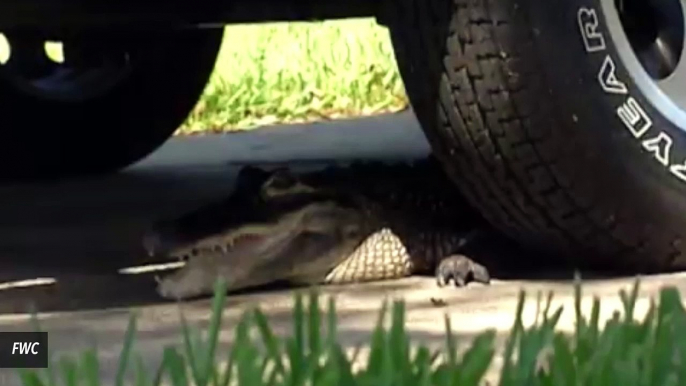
(301, 247)
(219, 257)
(225, 242)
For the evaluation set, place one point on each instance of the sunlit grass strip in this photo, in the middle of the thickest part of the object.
(297, 72)
(625, 351)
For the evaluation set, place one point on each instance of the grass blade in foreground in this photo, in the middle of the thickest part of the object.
(625, 351)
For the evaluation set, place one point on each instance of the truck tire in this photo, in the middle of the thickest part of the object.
(113, 100)
(562, 121)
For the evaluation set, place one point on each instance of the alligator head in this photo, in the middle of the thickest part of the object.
(274, 227)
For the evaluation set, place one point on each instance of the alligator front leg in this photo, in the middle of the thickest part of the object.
(461, 270)
(383, 256)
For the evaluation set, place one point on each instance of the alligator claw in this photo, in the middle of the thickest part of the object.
(461, 270)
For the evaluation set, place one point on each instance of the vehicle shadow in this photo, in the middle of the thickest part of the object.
(75, 235)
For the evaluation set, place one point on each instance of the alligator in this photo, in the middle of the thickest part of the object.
(366, 221)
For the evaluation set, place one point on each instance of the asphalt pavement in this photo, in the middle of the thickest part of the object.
(62, 245)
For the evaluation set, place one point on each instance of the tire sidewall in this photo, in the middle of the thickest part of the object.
(621, 159)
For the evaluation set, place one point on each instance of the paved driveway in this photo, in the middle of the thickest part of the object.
(70, 239)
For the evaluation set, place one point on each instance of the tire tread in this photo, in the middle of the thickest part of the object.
(494, 133)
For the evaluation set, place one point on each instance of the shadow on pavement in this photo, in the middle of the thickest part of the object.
(78, 233)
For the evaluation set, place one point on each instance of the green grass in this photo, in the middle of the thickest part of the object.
(625, 351)
(292, 72)
(299, 72)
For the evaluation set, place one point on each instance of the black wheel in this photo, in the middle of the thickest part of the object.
(112, 99)
(563, 121)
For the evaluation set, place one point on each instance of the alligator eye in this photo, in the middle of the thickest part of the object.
(281, 180)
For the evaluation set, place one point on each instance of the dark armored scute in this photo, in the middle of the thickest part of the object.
(364, 222)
